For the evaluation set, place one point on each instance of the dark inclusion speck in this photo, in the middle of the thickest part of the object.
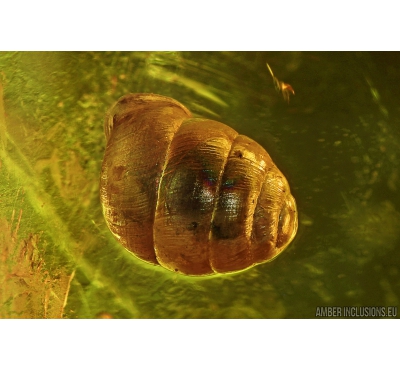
(193, 226)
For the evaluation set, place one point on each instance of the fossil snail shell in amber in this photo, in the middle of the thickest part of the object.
(191, 194)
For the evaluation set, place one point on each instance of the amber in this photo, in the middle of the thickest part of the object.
(191, 194)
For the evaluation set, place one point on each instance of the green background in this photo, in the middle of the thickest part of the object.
(337, 142)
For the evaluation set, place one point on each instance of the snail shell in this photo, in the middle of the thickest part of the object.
(191, 194)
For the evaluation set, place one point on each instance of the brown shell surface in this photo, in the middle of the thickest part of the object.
(191, 194)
